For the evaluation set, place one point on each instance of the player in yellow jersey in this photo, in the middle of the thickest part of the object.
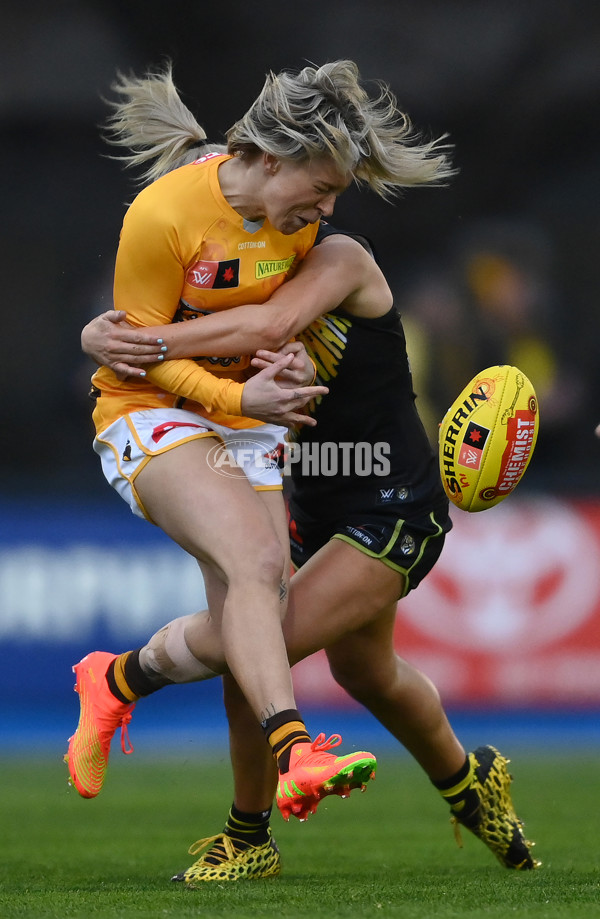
(220, 231)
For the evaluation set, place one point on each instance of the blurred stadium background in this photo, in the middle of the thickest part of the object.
(500, 266)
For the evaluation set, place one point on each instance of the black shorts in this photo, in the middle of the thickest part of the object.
(411, 547)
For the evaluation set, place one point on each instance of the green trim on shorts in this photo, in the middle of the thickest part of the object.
(380, 556)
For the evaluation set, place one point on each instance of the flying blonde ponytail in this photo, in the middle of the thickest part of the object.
(151, 121)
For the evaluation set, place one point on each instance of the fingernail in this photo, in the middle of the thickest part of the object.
(159, 341)
(164, 348)
(161, 357)
(143, 373)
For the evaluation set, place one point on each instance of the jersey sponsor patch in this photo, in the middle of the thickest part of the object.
(269, 267)
(214, 275)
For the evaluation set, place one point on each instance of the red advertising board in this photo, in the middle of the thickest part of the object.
(510, 615)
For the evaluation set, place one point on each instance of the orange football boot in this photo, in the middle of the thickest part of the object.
(99, 717)
(313, 774)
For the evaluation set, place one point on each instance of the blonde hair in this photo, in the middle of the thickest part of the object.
(152, 122)
(324, 111)
(318, 112)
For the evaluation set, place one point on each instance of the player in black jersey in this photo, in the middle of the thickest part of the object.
(366, 474)
(362, 537)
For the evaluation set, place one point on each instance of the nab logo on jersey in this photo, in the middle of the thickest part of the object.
(214, 275)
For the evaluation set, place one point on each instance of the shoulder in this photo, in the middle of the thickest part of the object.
(327, 231)
(177, 199)
(345, 253)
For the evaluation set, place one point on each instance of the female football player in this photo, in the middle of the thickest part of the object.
(220, 231)
(361, 540)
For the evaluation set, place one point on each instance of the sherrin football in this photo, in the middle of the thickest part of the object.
(487, 438)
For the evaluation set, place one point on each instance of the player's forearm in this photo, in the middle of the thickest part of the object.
(243, 330)
(184, 378)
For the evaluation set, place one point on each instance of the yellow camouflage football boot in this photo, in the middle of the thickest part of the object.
(223, 861)
(486, 809)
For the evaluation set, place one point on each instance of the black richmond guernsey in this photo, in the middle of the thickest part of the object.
(369, 448)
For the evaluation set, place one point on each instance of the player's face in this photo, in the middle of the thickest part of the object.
(297, 194)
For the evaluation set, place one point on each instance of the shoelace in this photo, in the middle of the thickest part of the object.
(126, 745)
(320, 745)
(109, 723)
(220, 841)
(457, 834)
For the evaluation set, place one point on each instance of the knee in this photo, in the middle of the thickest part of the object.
(264, 562)
(271, 563)
(387, 679)
(359, 678)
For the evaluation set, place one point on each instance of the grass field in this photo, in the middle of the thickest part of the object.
(389, 852)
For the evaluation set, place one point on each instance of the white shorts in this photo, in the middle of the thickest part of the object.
(126, 445)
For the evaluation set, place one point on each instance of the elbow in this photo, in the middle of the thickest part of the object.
(278, 334)
(274, 342)
(268, 328)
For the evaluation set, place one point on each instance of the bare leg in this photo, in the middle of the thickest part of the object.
(254, 772)
(211, 517)
(345, 601)
(402, 698)
(202, 633)
(333, 601)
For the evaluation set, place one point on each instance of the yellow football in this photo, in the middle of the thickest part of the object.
(487, 438)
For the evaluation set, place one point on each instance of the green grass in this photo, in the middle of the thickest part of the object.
(388, 853)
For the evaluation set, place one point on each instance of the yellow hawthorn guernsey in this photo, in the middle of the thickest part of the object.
(183, 253)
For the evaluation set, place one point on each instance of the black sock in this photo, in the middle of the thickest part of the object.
(283, 730)
(447, 785)
(244, 830)
(457, 790)
(248, 829)
(129, 682)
